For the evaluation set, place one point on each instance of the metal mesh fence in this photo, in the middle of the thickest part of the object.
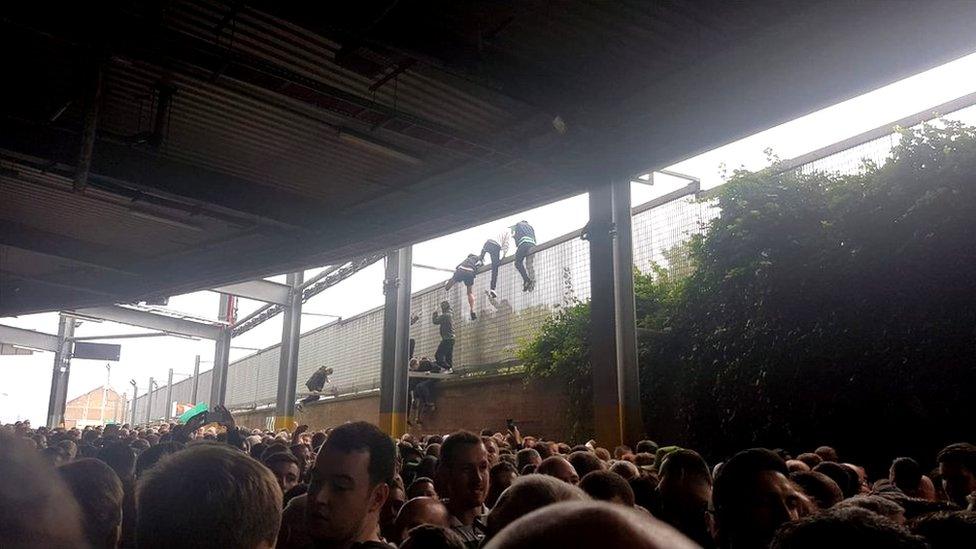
(561, 269)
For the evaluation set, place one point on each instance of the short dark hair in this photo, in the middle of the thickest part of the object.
(852, 527)
(585, 463)
(121, 458)
(944, 530)
(417, 482)
(648, 446)
(501, 467)
(907, 474)
(209, 495)
(827, 453)
(735, 474)
(449, 448)
(282, 456)
(605, 485)
(151, 457)
(543, 449)
(841, 476)
(359, 436)
(686, 463)
(429, 536)
(961, 453)
(524, 455)
(818, 487)
(811, 459)
(98, 491)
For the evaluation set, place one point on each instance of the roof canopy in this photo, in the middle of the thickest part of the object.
(153, 148)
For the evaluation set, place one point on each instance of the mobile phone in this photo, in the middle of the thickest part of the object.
(510, 424)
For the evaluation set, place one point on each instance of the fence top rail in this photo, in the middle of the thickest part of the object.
(688, 190)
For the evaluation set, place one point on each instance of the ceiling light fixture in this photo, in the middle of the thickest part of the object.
(370, 144)
(160, 218)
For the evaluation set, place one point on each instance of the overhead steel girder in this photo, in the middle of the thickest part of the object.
(260, 290)
(28, 338)
(150, 320)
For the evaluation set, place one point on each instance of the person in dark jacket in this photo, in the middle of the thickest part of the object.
(524, 236)
(444, 356)
(465, 272)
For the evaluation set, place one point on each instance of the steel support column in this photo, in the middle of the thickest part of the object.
(168, 412)
(288, 357)
(196, 380)
(628, 374)
(389, 350)
(60, 371)
(402, 354)
(218, 377)
(149, 399)
(135, 400)
(603, 335)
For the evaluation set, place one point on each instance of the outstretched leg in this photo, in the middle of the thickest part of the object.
(471, 302)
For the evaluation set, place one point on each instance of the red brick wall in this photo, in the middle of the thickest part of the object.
(474, 403)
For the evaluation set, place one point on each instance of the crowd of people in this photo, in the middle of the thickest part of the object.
(211, 483)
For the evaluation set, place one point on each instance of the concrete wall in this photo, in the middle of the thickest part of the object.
(474, 403)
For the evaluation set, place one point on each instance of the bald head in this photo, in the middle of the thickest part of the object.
(417, 511)
(588, 524)
(527, 494)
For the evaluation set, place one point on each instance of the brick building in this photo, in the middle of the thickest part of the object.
(87, 408)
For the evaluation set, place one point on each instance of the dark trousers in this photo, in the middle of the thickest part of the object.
(445, 354)
(495, 252)
(521, 254)
(413, 345)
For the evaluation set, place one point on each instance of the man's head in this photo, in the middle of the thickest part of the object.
(421, 487)
(527, 456)
(286, 468)
(752, 497)
(821, 489)
(878, 505)
(429, 536)
(491, 446)
(209, 495)
(957, 466)
(349, 483)
(502, 475)
(559, 467)
(827, 453)
(608, 486)
(151, 457)
(811, 459)
(121, 458)
(98, 491)
(947, 530)
(625, 469)
(527, 494)
(445, 306)
(585, 463)
(36, 508)
(417, 511)
(462, 471)
(646, 446)
(845, 527)
(844, 477)
(588, 524)
(906, 474)
(686, 482)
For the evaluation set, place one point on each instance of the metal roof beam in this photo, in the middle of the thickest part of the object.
(149, 320)
(124, 169)
(28, 338)
(23, 237)
(260, 290)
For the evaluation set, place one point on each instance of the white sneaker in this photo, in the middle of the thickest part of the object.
(491, 294)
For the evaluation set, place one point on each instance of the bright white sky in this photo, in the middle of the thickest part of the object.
(25, 380)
